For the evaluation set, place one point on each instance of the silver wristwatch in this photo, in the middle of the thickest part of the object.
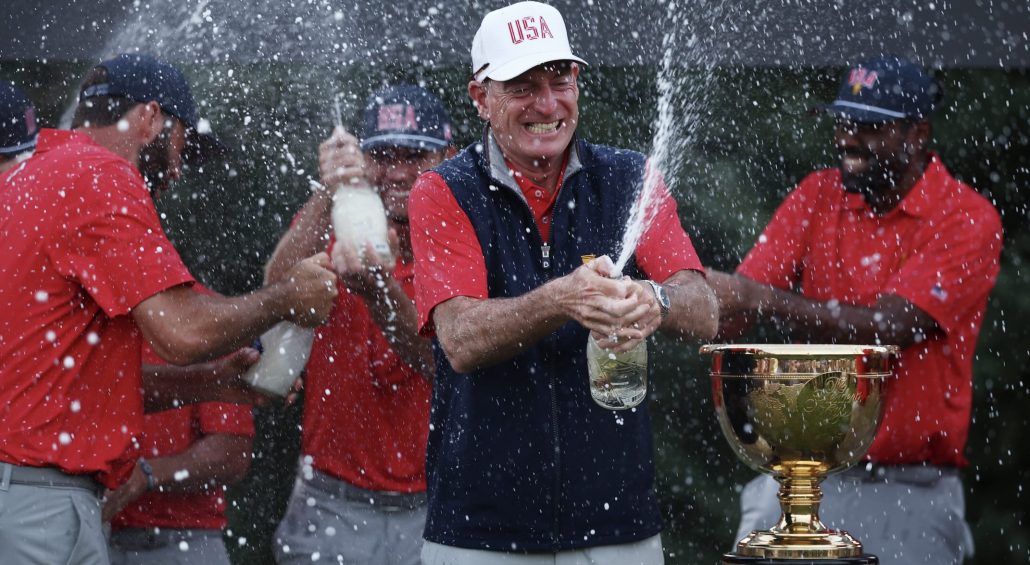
(663, 298)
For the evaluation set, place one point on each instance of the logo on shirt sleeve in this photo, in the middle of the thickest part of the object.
(938, 292)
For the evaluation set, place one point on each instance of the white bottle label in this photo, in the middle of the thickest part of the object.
(359, 217)
(286, 348)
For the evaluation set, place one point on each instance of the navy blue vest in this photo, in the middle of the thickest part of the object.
(520, 458)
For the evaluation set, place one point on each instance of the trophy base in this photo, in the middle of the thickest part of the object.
(822, 545)
(731, 559)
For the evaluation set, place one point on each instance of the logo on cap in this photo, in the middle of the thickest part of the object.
(397, 117)
(30, 120)
(525, 29)
(861, 78)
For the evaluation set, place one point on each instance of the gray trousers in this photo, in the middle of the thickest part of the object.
(168, 546)
(50, 525)
(643, 552)
(331, 521)
(904, 516)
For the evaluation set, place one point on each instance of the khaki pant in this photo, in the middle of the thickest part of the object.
(330, 521)
(49, 524)
(644, 552)
(168, 546)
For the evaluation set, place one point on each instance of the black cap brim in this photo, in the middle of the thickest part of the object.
(856, 114)
(203, 148)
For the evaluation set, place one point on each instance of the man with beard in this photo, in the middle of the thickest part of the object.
(886, 248)
(366, 410)
(87, 272)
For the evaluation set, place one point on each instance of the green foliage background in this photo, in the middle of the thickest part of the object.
(753, 140)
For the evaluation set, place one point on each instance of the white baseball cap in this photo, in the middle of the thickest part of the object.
(516, 38)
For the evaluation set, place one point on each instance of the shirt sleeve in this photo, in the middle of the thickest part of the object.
(113, 243)
(665, 248)
(777, 258)
(448, 258)
(225, 418)
(951, 274)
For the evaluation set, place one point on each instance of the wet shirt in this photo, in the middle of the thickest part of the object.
(939, 249)
(82, 246)
(366, 411)
(171, 432)
(455, 265)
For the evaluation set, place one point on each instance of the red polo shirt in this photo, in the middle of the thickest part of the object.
(171, 432)
(939, 249)
(455, 265)
(366, 411)
(82, 246)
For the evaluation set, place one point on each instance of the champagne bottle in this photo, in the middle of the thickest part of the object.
(618, 381)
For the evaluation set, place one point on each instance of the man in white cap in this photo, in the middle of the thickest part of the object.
(522, 465)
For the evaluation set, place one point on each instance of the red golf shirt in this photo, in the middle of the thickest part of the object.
(366, 411)
(171, 432)
(82, 247)
(457, 267)
(938, 249)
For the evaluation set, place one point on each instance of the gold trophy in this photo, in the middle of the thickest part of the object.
(799, 413)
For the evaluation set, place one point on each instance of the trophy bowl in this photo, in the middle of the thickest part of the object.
(799, 413)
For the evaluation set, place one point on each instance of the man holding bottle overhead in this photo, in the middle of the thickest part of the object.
(523, 466)
(367, 382)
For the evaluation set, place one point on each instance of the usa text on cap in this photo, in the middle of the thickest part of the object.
(516, 38)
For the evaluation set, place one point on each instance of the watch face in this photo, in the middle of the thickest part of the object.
(662, 297)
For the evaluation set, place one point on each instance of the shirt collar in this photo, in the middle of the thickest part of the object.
(51, 138)
(919, 201)
(499, 169)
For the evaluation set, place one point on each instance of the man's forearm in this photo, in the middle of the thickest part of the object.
(210, 462)
(172, 386)
(308, 235)
(477, 333)
(694, 312)
(394, 313)
(891, 321)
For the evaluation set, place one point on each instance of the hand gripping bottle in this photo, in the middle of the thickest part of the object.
(285, 351)
(359, 217)
(618, 381)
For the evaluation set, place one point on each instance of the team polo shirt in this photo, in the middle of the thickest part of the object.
(455, 265)
(366, 411)
(82, 246)
(171, 432)
(939, 249)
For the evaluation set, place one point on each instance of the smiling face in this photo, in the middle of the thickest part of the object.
(393, 170)
(879, 160)
(534, 115)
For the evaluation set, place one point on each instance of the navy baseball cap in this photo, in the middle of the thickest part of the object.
(18, 129)
(405, 116)
(883, 89)
(143, 78)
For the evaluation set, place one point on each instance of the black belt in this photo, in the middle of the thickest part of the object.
(385, 500)
(917, 473)
(45, 477)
